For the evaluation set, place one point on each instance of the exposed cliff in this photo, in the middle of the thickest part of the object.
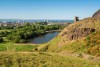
(79, 33)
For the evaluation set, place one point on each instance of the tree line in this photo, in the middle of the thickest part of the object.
(28, 31)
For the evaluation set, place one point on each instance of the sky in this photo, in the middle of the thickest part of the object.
(47, 9)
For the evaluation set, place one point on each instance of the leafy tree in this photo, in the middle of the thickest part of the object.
(28, 31)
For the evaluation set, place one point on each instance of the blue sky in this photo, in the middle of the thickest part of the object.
(47, 9)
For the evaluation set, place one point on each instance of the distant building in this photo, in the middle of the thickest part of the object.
(11, 24)
(76, 19)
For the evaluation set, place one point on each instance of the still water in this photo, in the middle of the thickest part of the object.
(44, 38)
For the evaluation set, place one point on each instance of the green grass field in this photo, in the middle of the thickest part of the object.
(16, 47)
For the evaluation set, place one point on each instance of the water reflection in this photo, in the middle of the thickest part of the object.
(44, 38)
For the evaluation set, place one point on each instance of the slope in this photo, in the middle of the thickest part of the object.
(74, 37)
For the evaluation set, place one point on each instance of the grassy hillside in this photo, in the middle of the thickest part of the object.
(81, 42)
(93, 43)
(43, 59)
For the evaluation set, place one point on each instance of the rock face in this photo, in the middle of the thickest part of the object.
(96, 15)
(78, 33)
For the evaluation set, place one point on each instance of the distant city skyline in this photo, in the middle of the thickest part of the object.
(47, 9)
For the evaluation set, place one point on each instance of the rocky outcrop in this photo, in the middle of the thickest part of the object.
(96, 15)
(78, 33)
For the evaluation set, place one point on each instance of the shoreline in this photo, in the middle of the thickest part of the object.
(53, 31)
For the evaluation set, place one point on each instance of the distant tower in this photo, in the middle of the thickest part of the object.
(76, 19)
